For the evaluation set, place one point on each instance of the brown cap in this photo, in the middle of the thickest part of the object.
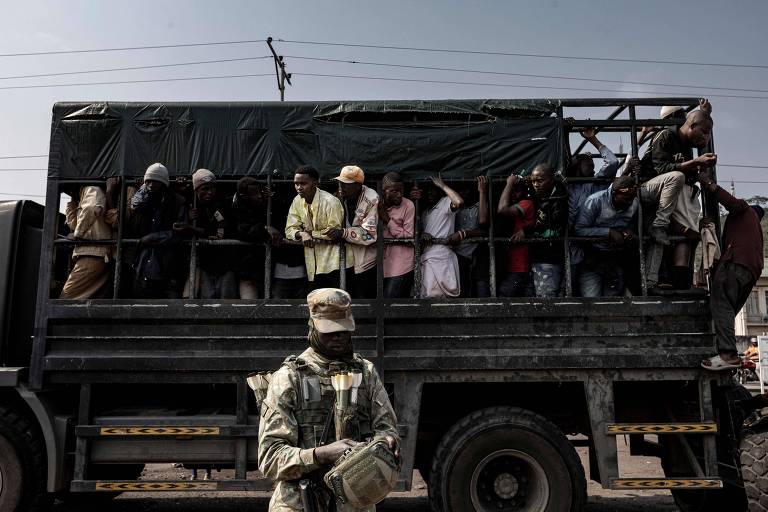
(330, 310)
(351, 174)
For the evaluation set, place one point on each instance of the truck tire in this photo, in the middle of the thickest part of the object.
(675, 464)
(23, 465)
(754, 468)
(506, 458)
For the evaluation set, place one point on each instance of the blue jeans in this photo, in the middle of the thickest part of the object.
(547, 278)
(601, 278)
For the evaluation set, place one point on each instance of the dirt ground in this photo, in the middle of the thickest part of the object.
(600, 500)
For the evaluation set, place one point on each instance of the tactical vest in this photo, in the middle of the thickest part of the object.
(315, 400)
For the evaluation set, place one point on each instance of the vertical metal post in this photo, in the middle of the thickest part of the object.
(343, 265)
(416, 248)
(121, 206)
(44, 283)
(707, 414)
(379, 292)
(82, 445)
(193, 255)
(241, 445)
(566, 244)
(491, 240)
(640, 220)
(268, 248)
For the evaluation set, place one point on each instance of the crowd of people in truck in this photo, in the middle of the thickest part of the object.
(437, 232)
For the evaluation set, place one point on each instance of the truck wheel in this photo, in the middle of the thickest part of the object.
(506, 458)
(754, 468)
(22, 463)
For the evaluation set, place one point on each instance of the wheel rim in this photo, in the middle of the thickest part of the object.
(509, 480)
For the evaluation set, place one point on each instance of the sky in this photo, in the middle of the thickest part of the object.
(703, 31)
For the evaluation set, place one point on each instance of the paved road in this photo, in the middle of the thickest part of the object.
(600, 500)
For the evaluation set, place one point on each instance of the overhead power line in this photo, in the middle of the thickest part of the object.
(535, 55)
(491, 84)
(527, 75)
(48, 86)
(23, 156)
(129, 48)
(132, 68)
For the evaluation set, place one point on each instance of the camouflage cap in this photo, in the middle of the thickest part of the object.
(330, 310)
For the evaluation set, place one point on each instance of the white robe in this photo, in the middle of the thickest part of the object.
(439, 264)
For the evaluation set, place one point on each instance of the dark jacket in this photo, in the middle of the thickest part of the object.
(665, 154)
(152, 218)
(550, 222)
(216, 222)
(249, 225)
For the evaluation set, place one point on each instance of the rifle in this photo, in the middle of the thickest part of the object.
(308, 496)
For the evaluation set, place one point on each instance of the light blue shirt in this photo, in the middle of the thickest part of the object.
(598, 216)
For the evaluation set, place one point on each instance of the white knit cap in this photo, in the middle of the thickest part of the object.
(201, 177)
(157, 172)
(668, 110)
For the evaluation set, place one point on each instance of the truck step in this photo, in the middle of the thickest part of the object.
(179, 431)
(617, 429)
(666, 483)
(169, 485)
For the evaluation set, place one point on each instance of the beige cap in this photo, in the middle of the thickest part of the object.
(201, 177)
(668, 110)
(157, 172)
(351, 174)
(331, 310)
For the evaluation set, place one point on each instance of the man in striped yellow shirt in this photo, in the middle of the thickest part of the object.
(312, 214)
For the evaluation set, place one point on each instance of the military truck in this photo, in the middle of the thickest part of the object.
(493, 395)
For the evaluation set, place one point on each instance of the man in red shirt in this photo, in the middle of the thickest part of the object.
(515, 203)
(736, 272)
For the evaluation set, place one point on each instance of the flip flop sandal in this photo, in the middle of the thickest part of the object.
(716, 364)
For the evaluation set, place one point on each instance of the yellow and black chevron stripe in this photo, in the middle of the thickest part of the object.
(159, 431)
(666, 483)
(155, 486)
(661, 428)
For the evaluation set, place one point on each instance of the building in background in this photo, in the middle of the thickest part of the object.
(752, 320)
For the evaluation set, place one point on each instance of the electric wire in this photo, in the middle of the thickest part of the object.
(132, 68)
(514, 54)
(130, 48)
(527, 75)
(155, 80)
(513, 86)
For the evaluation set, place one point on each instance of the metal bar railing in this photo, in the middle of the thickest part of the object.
(121, 207)
(640, 245)
(268, 248)
(491, 241)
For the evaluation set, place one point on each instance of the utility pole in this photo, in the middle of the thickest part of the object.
(282, 76)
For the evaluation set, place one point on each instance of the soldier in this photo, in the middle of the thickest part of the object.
(297, 414)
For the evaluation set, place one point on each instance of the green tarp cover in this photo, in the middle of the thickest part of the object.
(459, 138)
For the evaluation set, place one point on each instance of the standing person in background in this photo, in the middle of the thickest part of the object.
(248, 214)
(515, 203)
(397, 214)
(472, 221)
(92, 216)
(155, 214)
(215, 277)
(439, 264)
(311, 217)
(735, 274)
(583, 166)
(551, 217)
(361, 220)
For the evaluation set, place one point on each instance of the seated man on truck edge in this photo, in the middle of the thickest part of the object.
(296, 411)
(313, 213)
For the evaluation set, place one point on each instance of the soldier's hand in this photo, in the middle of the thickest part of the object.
(393, 446)
(330, 453)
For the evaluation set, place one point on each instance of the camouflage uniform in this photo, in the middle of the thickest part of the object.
(294, 414)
